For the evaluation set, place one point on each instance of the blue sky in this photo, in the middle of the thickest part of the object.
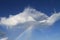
(15, 6)
(30, 19)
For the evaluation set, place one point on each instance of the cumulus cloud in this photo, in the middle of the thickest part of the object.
(28, 18)
(29, 14)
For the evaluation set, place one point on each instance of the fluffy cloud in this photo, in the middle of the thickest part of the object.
(29, 14)
(52, 19)
(28, 18)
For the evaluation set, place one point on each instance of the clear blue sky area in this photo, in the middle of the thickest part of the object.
(13, 7)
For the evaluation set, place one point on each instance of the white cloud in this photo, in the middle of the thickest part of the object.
(28, 18)
(29, 14)
(52, 19)
(4, 38)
